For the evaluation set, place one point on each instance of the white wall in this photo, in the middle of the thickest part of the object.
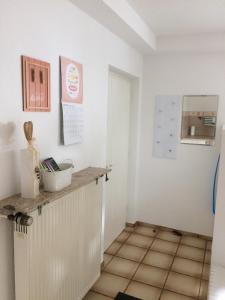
(177, 193)
(45, 29)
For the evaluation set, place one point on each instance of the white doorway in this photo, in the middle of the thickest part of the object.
(118, 137)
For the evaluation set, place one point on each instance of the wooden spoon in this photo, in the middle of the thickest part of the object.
(28, 131)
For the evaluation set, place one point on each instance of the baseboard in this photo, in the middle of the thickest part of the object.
(140, 223)
(131, 224)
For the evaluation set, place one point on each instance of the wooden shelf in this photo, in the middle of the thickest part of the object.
(16, 203)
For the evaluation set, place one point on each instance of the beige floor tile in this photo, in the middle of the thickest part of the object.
(107, 258)
(149, 231)
(143, 291)
(168, 236)
(205, 274)
(203, 290)
(191, 253)
(113, 248)
(139, 240)
(209, 245)
(158, 259)
(183, 284)
(151, 275)
(193, 242)
(187, 266)
(167, 295)
(122, 267)
(95, 296)
(123, 236)
(110, 285)
(164, 246)
(132, 252)
(208, 257)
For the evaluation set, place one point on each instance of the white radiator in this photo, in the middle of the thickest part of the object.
(60, 256)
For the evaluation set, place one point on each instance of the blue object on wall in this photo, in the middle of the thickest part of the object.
(215, 186)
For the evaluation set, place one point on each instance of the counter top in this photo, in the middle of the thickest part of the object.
(16, 203)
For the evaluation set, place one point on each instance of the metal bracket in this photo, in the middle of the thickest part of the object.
(39, 209)
(106, 177)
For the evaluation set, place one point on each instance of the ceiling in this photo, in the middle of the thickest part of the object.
(162, 26)
(182, 17)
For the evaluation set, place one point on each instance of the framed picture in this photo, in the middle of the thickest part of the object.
(71, 81)
(36, 85)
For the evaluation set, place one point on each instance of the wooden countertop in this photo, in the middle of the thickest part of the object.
(16, 203)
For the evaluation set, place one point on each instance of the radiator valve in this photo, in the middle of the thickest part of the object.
(21, 219)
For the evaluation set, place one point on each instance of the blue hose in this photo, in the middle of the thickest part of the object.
(215, 186)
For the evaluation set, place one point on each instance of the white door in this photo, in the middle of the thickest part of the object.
(117, 155)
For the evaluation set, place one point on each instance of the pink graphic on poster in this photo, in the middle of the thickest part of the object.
(72, 81)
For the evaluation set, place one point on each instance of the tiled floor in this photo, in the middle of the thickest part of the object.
(153, 263)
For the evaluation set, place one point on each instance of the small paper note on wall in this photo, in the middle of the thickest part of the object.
(166, 126)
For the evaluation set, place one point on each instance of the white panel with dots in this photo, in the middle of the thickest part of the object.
(166, 126)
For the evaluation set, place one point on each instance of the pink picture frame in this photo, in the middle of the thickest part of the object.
(71, 81)
(36, 85)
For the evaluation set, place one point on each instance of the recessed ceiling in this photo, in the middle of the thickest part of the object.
(182, 17)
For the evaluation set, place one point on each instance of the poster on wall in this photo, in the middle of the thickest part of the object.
(166, 126)
(72, 81)
(72, 101)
